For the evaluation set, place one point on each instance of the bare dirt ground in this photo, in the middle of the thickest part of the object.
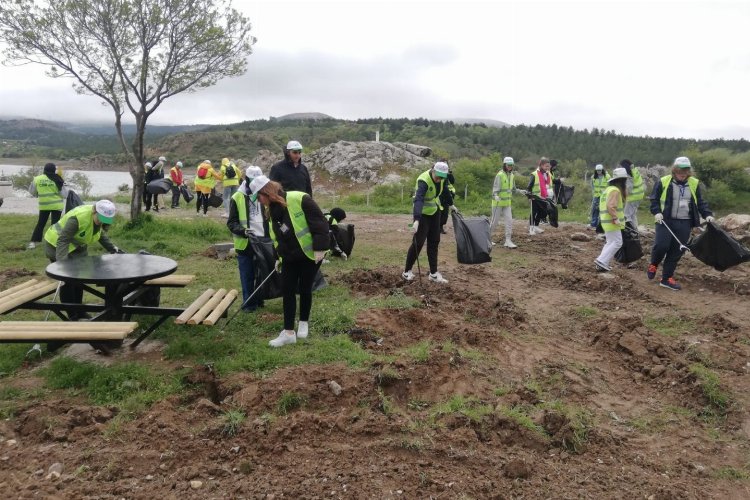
(618, 411)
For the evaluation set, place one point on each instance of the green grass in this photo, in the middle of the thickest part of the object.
(671, 326)
(233, 420)
(419, 352)
(585, 312)
(731, 473)
(581, 422)
(288, 402)
(719, 401)
(521, 418)
(469, 407)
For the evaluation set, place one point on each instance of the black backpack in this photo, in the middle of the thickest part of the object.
(231, 173)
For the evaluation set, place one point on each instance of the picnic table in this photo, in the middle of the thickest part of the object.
(125, 278)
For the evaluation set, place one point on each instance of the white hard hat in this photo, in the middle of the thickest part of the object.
(599, 167)
(441, 169)
(294, 146)
(252, 172)
(161, 158)
(178, 164)
(682, 162)
(257, 184)
(618, 173)
(508, 161)
(106, 211)
(148, 164)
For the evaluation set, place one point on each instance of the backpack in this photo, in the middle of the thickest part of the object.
(202, 172)
(231, 173)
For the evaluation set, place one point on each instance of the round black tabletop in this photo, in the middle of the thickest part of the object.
(111, 269)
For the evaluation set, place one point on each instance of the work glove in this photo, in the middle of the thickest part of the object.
(248, 233)
(658, 218)
(496, 197)
(454, 208)
(117, 250)
(344, 256)
(319, 254)
(277, 266)
(415, 226)
(710, 218)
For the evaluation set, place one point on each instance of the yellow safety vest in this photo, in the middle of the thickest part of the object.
(507, 183)
(49, 195)
(299, 223)
(537, 188)
(667, 179)
(432, 196)
(599, 184)
(240, 242)
(605, 218)
(230, 182)
(87, 230)
(637, 193)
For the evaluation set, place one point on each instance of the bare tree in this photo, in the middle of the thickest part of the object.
(132, 54)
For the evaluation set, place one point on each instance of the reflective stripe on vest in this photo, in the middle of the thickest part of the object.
(667, 180)
(432, 196)
(49, 195)
(240, 242)
(605, 218)
(299, 223)
(600, 184)
(86, 230)
(507, 183)
(637, 193)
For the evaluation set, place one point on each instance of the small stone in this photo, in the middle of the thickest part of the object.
(335, 387)
(149, 478)
(234, 449)
(11, 442)
(517, 469)
(55, 471)
(195, 484)
(657, 370)
(580, 237)
(163, 466)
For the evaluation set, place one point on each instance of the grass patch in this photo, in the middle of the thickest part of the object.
(581, 421)
(419, 352)
(585, 312)
(468, 407)
(671, 326)
(520, 417)
(288, 402)
(719, 400)
(731, 473)
(233, 420)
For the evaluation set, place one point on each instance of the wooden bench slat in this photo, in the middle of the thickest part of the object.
(64, 330)
(43, 336)
(172, 280)
(209, 306)
(220, 308)
(35, 291)
(20, 286)
(193, 308)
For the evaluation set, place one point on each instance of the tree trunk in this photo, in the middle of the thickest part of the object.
(136, 171)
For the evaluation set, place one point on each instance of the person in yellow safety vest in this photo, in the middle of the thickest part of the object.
(446, 199)
(46, 187)
(230, 180)
(599, 182)
(70, 238)
(333, 217)
(612, 217)
(540, 185)
(175, 175)
(502, 193)
(635, 190)
(246, 220)
(300, 237)
(205, 180)
(426, 225)
(677, 203)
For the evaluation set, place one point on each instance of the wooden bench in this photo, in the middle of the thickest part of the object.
(27, 291)
(208, 308)
(64, 331)
(173, 280)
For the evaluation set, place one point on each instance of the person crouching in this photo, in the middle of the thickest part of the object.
(612, 217)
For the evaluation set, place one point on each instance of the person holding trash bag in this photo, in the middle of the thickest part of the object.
(175, 175)
(300, 237)
(677, 203)
(446, 199)
(599, 182)
(426, 225)
(612, 217)
(540, 185)
(205, 180)
(153, 171)
(502, 194)
(333, 217)
(46, 187)
(635, 192)
(70, 238)
(245, 220)
(230, 179)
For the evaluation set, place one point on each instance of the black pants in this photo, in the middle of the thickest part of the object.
(428, 230)
(202, 199)
(538, 211)
(175, 196)
(297, 276)
(36, 236)
(148, 197)
(69, 293)
(444, 215)
(667, 248)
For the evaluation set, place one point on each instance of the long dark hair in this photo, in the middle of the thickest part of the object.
(620, 185)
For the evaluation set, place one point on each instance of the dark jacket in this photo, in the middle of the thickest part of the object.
(695, 211)
(446, 197)
(233, 222)
(288, 247)
(290, 177)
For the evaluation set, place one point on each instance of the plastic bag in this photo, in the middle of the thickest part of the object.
(159, 186)
(564, 195)
(186, 194)
(716, 248)
(473, 244)
(631, 249)
(215, 199)
(344, 235)
(263, 261)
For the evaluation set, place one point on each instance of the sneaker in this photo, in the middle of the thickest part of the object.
(31, 245)
(302, 330)
(651, 271)
(437, 278)
(531, 231)
(510, 244)
(225, 215)
(538, 230)
(671, 284)
(407, 275)
(601, 267)
(493, 243)
(283, 339)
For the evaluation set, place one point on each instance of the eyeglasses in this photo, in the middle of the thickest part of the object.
(296, 151)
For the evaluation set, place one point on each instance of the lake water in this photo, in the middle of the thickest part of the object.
(102, 182)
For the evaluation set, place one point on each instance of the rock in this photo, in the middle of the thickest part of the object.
(657, 370)
(55, 471)
(633, 345)
(735, 222)
(224, 250)
(196, 485)
(207, 405)
(580, 237)
(335, 387)
(517, 469)
(11, 442)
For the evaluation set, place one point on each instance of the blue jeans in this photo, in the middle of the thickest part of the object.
(228, 192)
(595, 212)
(247, 279)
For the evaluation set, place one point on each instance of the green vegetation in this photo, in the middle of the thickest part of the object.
(671, 326)
(468, 407)
(233, 420)
(585, 312)
(288, 402)
(719, 400)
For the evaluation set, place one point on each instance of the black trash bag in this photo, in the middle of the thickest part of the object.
(186, 194)
(263, 262)
(344, 236)
(546, 208)
(72, 201)
(631, 249)
(551, 212)
(159, 186)
(473, 244)
(215, 199)
(716, 248)
(564, 194)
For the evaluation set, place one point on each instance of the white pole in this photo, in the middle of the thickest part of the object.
(466, 191)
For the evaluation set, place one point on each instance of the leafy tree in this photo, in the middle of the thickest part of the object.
(132, 54)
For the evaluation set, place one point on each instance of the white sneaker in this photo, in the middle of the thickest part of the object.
(538, 229)
(302, 330)
(437, 278)
(31, 245)
(284, 338)
(510, 244)
(407, 275)
(493, 243)
(225, 215)
(531, 231)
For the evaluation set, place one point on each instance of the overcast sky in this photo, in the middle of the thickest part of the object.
(675, 69)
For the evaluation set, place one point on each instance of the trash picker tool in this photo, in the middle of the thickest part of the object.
(54, 298)
(419, 270)
(248, 299)
(683, 248)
